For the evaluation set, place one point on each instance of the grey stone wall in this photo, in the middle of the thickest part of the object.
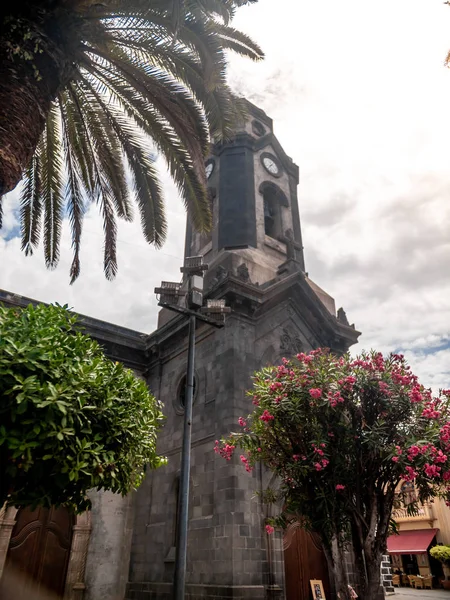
(229, 553)
(109, 546)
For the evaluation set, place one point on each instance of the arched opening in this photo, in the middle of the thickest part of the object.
(182, 388)
(273, 199)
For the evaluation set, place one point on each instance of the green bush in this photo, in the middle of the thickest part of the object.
(70, 418)
(441, 553)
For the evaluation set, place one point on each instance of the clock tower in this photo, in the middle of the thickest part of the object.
(256, 263)
(253, 190)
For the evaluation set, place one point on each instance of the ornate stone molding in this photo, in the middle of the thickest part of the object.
(75, 578)
(290, 344)
(7, 522)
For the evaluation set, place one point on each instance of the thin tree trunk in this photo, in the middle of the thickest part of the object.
(27, 88)
(339, 571)
(374, 576)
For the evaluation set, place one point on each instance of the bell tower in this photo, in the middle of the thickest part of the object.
(255, 259)
(253, 191)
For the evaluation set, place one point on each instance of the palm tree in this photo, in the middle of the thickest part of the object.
(85, 83)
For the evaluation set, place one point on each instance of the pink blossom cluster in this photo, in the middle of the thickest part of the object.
(315, 392)
(413, 451)
(244, 461)
(242, 422)
(321, 464)
(431, 410)
(340, 487)
(335, 398)
(415, 395)
(275, 386)
(266, 416)
(410, 474)
(305, 358)
(432, 470)
(269, 529)
(437, 455)
(445, 435)
(283, 371)
(225, 452)
(384, 388)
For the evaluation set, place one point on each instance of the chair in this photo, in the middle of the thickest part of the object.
(412, 581)
(396, 580)
(419, 583)
(428, 582)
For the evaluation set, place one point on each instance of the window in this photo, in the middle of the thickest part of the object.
(182, 391)
(409, 493)
(273, 199)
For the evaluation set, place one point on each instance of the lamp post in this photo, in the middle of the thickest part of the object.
(213, 313)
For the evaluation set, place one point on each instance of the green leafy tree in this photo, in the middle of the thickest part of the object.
(442, 554)
(341, 434)
(84, 85)
(70, 419)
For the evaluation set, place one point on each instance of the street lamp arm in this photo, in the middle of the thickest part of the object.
(189, 312)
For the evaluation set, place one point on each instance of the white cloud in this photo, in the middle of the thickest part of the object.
(359, 97)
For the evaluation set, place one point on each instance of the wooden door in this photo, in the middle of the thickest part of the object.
(40, 546)
(304, 560)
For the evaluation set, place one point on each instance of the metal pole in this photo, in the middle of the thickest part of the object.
(183, 509)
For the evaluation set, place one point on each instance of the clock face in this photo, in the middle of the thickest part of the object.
(271, 166)
(209, 169)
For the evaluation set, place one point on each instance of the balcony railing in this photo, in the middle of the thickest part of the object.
(422, 513)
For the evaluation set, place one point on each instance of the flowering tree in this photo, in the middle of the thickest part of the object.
(341, 433)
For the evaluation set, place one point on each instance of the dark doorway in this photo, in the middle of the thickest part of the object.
(304, 560)
(40, 546)
(410, 565)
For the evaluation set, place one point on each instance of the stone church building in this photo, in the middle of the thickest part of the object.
(124, 548)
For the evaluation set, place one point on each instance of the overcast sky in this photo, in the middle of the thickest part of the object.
(360, 100)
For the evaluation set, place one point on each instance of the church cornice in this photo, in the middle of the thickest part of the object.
(119, 343)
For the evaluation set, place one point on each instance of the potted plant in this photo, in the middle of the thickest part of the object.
(442, 554)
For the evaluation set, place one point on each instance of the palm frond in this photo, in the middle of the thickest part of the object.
(51, 171)
(74, 188)
(146, 184)
(102, 188)
(169, 144)
(31, 207)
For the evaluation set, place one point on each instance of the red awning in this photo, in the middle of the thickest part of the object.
(411, 542)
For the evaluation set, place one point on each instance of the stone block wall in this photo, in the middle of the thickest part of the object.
(386, 574)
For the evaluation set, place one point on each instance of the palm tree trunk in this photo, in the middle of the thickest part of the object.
(27, 88)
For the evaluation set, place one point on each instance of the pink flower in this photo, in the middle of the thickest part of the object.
(266, 416)
(269, 529)
(395, 458)
(242, 422)
(225, 452)
(432, 470)
(315, 392)
(340, 487)
(410, 475)
(415, 395)
(318, 466)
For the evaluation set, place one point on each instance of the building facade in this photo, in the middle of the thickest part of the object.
(419, 531)
(256, 263)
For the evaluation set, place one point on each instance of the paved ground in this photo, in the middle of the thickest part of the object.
(404, 593)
